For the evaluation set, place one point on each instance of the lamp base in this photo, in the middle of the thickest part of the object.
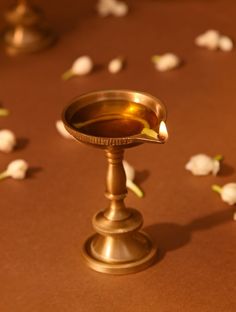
(24, 40)
(139, 245)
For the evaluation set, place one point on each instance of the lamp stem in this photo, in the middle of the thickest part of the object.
(116, 186)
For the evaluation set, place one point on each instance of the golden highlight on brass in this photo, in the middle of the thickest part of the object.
(114, 120)
(27, 30)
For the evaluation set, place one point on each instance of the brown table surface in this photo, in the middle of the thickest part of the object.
(45, 218)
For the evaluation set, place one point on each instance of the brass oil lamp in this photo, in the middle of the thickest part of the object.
(27, 30)
(114, 120)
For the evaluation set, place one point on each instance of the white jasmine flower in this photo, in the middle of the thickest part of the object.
(115, 65)
(166, 61)
(212, 40)
(62, 130)
(81, 66)
(4, 112)
(225, 43)
(209, 39)
(112, 7)
(16, 169)
(130, 175)
(7, 141)
(227, 192)
(202, 164)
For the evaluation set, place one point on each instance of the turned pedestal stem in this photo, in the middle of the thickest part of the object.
(116, 186)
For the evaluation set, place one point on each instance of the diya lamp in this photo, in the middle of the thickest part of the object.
(27, 31)
(114, 120)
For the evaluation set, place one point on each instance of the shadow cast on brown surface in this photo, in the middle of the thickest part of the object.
(172, 236)
(98, 67)
(226, 170)
(21, 143)
(141, 176)
(32, 171)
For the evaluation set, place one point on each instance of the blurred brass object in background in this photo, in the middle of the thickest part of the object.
(113, 120)
(27, 31)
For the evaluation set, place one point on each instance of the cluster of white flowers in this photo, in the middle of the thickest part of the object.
(16, 169)
(166, 61)
(83, 65)
(213, 40)
(201, 165)
(112, 7)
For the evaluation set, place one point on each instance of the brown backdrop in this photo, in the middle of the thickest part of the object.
(45, 218)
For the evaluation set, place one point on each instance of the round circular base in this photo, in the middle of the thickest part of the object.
(123, 267)
(14, 49)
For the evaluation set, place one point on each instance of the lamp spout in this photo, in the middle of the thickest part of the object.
(151, 136)
(144, 138)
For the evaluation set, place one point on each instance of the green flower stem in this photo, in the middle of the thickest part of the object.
(218, 157)
(67, 75)
(150, 132)
(3, 175)
(134, 188)
(216, 188)
(4, 112)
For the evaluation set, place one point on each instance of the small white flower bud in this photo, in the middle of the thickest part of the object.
(227, 192)
(129, 170)
(7, 141)
(130, 175)
(112, 7)
(202, 164)
(209, 39)
(62, 130)
(200, 41)
(166, 61)
(81, 66)
(225, 43)
(115, 65)
(17, 169)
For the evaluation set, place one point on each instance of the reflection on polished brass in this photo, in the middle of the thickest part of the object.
(27, 31)
(111, 120)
